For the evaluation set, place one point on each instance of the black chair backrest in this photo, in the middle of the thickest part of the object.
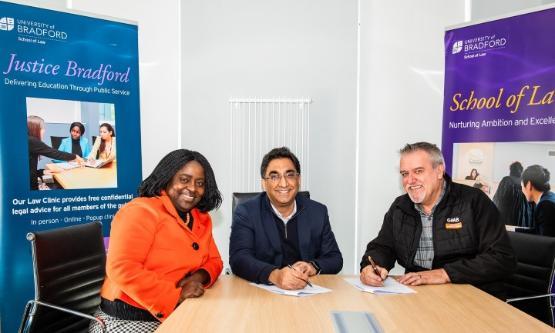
(240, 197)
(534, 274)
(69, 268)
(56, 141)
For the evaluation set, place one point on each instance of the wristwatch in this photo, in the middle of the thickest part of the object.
(316, 267)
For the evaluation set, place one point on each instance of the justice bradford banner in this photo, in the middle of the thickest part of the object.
(70, 87)
(499, 103)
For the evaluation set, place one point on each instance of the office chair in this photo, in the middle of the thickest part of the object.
(240, 197)
(56, 141)
(69, 268)
(531, 288)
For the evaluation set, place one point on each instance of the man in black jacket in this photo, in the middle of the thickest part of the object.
(439, 231)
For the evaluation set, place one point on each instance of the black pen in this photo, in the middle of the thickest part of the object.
(307, 282)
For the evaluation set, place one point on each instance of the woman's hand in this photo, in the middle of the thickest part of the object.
(79, 160)
(190, 289)
(192, 285)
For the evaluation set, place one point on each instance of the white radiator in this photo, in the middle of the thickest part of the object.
(260, 124)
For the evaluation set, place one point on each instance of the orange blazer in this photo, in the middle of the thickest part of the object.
(151, 249)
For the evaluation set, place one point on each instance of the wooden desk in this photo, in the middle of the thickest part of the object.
(86, 177)
(232, 305)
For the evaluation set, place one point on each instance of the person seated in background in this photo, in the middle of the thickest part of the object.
(509, 199)
(76, 144)
(439, 231)
(161, 246)
(36, 129)
(281, 237)
(104, 147)
(536, 188)
(482, 185)
(474, 175)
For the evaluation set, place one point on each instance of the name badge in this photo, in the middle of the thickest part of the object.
(455, 225)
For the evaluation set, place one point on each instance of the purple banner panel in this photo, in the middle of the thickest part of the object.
(499, 103)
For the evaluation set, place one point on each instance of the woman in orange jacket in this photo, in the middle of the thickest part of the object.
(161, 246)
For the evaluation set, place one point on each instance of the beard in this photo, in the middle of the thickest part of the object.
(417, 196)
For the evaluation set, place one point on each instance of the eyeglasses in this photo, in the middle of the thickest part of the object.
(290, 177)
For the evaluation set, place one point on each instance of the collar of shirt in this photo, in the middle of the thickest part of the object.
(285, 219)
(420, 209)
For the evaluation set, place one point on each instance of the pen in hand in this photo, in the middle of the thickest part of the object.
(374, 266)
(306, 281)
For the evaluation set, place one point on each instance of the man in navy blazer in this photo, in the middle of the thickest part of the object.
(280, 237)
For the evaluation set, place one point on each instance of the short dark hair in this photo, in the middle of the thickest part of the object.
(163, 173)
(515, 169)
(538, 176)
(430, 148)
(78, 124)
(281, 152)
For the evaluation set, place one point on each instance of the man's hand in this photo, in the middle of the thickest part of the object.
(288, 278)
(369, 277)
(305, 267)
(434, 276)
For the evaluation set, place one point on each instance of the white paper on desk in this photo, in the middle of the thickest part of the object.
(306, 291)
(390, 286)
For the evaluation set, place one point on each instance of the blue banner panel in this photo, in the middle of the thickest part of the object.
(70, 87)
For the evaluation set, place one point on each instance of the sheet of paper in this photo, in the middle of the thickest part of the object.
(65, 165)
(390, 286)
(306, 291)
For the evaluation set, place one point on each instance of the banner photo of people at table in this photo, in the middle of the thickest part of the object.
(499, 106)
(70, 88)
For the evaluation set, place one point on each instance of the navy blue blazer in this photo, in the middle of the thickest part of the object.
(255, 247)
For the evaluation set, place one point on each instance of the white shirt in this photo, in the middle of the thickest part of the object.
(285, 219)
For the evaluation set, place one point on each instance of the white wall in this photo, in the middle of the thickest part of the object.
(401, 95)
(54, 110)
(484, 9)
(275, 48)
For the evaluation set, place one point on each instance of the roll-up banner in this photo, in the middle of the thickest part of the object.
(499, 105)
(70, 86)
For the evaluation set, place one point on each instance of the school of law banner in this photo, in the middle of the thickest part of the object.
(70, 82)
(499, 105)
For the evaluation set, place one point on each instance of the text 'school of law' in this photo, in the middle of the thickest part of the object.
(537, 97)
